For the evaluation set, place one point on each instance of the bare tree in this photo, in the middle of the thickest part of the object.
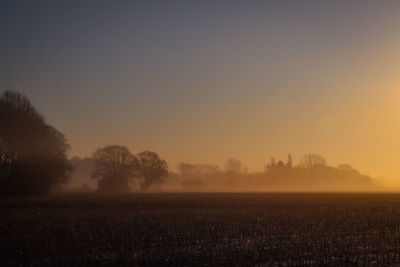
(185, 168)
(33, 154)
(233, 165)
(115, 166)
(152, 169)
(312, 160)
(197, 169)
(271, 165)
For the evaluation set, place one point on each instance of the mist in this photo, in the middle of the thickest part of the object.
(310, 174)
(200, 133)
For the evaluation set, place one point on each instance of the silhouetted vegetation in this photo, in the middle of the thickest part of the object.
(152, 169)
(116, 167)
(33, 161)
(312, 160)
(311, 174)
(197, 169)
(234, 166)
(33, 157)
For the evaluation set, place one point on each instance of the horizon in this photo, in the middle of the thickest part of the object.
(200, 133)
(203, 82)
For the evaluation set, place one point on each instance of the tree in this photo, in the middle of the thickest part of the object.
(115, 166)
(185, 168)
(152, 169)
(33, 154)
(197, 169)
(312, 160)
(344, 167)
(271, 165)
(280, 165)
(233, 165)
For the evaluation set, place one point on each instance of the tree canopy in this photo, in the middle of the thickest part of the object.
(115, 166)
(234, 166)
(33, 154)
(152, 169)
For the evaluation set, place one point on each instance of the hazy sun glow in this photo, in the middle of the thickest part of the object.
(205, 82)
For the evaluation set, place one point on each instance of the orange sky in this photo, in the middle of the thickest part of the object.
(205, 82)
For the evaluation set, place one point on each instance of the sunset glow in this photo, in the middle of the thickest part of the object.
(200, 133)
(205, 82)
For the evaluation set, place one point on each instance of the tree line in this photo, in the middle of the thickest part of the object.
(116, 167)
(34, 161)
(311, 173)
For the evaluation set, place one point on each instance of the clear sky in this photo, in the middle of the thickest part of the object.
(202, 81)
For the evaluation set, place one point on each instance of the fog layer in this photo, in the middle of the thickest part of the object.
(311, 173)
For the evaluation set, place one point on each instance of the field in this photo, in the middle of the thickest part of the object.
(202, 229)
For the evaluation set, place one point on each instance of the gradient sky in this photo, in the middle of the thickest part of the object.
(202, 81)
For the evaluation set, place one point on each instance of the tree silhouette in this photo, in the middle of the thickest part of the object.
(184, 168)
(115, 166)
(280, 165)
(271, 165)
(197, 169)
(312, 160)
(233, 165)
(33, 156)
(151, 168)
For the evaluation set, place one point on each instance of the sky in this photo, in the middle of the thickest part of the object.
(203, 81)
